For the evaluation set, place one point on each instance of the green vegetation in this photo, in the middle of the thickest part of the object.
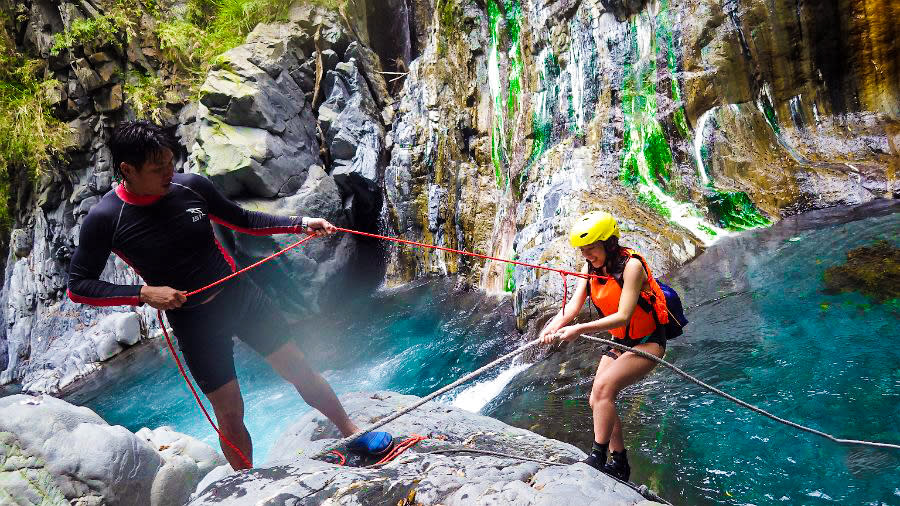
(212, 27)
(769, 112)
(503, 19)
(509, 282)
(30, 136)
(735, 211)
(646, 155)
(143, 94)
(872, 270)
(108, 29)
(190, 44)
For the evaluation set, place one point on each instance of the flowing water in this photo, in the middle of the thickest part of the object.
(775, 339)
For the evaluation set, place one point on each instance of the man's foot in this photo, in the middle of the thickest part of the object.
(618, 466)
(372, 443)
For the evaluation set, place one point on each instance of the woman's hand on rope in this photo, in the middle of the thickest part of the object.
(548, 335)
(162, 297)
(567, 334)
(320, 227)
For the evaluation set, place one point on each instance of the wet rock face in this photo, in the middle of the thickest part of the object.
(622, 9)
(688, 120)
(419, 477)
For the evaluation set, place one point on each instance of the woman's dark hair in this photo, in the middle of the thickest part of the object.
(615, 260)
(133, 142)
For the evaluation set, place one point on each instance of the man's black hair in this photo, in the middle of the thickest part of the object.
(133, 142)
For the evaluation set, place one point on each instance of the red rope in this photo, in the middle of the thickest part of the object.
(340, 456)
(565, 293)
(400, 448)
(469, 253)
(193, 391)
(253, 266)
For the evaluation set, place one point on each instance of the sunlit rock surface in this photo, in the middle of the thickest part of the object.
(418, 477)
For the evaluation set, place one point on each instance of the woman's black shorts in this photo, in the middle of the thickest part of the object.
(658, 336)
(205, 332)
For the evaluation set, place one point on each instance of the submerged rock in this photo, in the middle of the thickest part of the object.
(872, 270)
(422, 475)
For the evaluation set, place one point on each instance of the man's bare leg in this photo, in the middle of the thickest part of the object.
(228, 406)
(290, 363)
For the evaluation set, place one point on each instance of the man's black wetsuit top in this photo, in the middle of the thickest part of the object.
(167, 239)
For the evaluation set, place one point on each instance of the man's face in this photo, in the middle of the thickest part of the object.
(154, 177)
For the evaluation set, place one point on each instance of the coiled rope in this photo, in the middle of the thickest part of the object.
(468, 377)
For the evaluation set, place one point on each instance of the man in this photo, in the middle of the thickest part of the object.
(159, 222)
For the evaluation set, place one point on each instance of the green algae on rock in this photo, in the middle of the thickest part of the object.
(872, 270)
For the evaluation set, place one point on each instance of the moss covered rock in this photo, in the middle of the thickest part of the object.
(872, 270)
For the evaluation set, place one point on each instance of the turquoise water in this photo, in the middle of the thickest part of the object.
(826, 361)
(413, 341)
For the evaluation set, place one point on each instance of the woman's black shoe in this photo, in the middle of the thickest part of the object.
(597, 458)
(618, 466)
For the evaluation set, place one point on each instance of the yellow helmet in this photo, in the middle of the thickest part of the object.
(592, 227)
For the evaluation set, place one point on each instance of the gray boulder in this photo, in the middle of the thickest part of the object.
(257, 133)
(186, 460)
(114, 332)
(420, 477)
(56, 453)
(317, 269)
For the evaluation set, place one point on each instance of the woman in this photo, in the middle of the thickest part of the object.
(632, 308)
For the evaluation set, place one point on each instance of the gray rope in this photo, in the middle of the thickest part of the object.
(738, 401)
(451, 386)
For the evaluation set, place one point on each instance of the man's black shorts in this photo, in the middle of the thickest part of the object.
(205, 332)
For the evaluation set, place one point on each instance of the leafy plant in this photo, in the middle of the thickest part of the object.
(145, 94)
(112, 28)
(30, 136)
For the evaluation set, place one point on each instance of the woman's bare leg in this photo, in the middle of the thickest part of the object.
(609, 381)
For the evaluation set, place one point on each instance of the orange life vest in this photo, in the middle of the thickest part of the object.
(649, 312)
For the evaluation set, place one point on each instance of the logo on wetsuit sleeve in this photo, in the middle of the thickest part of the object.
(196, 214)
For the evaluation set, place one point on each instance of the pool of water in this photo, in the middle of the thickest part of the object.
(777, 340)
(410, 341)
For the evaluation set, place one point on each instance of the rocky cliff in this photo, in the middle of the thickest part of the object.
(688, 120)
(483, 125)
(291, 122)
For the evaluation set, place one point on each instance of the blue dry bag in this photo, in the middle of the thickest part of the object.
(677, 320)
